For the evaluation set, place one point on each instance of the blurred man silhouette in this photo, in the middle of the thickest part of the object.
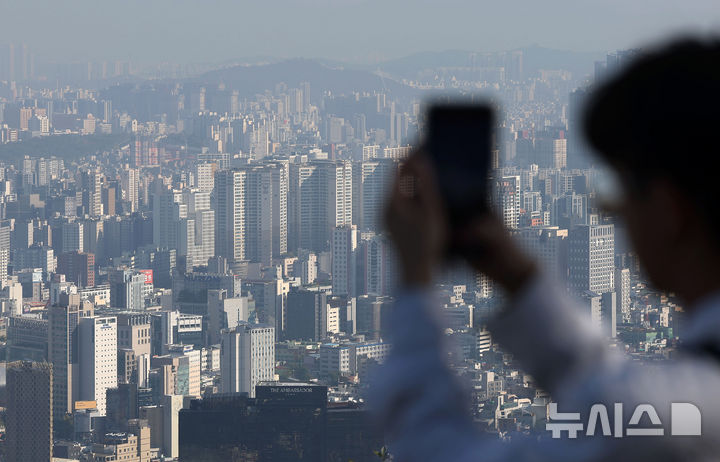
(655, 124)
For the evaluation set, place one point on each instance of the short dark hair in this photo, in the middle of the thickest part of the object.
(660, 117)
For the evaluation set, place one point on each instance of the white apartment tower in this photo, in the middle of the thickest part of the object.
(129, 186)
(508, 200)
(230, 214)
(4, 251)
(98, 358)
(622, 288)
(320, 199)
(184, 220)
(280, 178)
(259, 216)
(196, 231)
(247, 357)
(91, 183)
(205, 176)
(251, 213)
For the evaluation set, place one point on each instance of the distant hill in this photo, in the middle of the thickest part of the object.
(251, 80)
(579, 63)
(410, 65)
(535, 58)
(67, 147)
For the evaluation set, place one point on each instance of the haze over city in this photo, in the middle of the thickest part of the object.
(364, 31)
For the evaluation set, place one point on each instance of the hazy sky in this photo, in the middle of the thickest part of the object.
(351, 30)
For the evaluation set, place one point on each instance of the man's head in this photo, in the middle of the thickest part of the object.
(656, 124)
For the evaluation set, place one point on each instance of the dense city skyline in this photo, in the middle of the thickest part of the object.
(194, 261)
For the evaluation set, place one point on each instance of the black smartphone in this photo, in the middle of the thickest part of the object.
(459, 141)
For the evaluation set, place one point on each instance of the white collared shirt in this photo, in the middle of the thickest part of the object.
(424, 409)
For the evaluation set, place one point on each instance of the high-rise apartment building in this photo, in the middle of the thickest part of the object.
(144, 152)
(507, 196)
(230, 190)
(25, 116)
(280, 177)
(107, 110)
(247, 357)
(205, 176)
(531, 201)
(64, 349)
(91, 184)
(320, 199)
(98, 358)
(259, 216)
(184, 220)
(622, 288)
(4, 251)
(196, 230)
(305, 87)
(29, 413)
(344, 261)
(295, 97)
(372, 182)
(129, 187)
(251, 213)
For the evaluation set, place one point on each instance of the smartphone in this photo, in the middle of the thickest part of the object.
(459, 141)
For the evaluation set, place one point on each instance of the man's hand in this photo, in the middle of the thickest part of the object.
(418, 226)
(416, 221)
(492, 251)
